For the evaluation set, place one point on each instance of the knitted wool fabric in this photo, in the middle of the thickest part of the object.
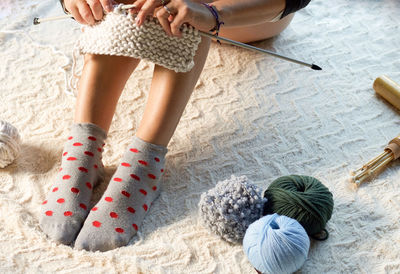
(117, 34)
(230, 207)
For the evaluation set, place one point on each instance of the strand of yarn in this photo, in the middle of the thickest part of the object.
(75, 75)
(9, 144)
(63, 68)
(117, 34)
(230, 207)
(303, 198)
(276, 244)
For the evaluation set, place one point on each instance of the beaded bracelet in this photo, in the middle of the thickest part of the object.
(218, 23)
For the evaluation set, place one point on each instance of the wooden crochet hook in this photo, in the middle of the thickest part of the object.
(37, 21)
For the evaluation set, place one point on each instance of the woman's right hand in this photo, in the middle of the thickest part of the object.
(88, 12)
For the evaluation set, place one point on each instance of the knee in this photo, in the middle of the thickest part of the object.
(109, 60)
(94, 58)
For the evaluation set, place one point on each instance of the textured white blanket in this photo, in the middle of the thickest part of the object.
(250, 114)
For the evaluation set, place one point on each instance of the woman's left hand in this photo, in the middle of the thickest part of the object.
(172, 14)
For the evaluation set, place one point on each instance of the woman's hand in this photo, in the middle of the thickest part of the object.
(88, 12)
(174, 14)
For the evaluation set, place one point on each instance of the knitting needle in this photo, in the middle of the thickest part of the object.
(246, 46)
(373, 169)
(371, 163)
(37, 21)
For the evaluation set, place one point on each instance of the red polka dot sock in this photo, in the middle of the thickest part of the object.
(66, 205)
(114, 220)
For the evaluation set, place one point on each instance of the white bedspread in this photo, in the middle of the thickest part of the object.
(250, 114)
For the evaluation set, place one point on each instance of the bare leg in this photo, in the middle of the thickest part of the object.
(169, 94)
(64, 211)
(256, 32)
(102, 81)
(170, 91)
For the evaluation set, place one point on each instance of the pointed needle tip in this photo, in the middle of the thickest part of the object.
(315, 67)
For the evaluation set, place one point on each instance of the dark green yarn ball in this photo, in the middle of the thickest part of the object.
(303, 198)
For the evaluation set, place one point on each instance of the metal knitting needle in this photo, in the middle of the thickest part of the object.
(37, 21)
(250, 47)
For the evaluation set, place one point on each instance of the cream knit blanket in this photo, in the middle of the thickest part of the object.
(117, 34)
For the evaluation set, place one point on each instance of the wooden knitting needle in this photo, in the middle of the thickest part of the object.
(37, 21)
(376, 165)
(372, 168)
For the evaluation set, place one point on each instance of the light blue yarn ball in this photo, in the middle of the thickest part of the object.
(276, 244)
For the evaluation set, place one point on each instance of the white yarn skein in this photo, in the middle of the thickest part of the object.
(9, 143)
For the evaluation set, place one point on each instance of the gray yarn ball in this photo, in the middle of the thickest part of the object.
(230, 207)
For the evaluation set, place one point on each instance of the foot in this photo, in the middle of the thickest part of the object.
(116, 218)
(66, 206)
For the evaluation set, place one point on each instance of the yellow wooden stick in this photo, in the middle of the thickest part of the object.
(388, 89)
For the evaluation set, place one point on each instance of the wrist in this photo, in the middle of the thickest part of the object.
(222, 11)
(217, 18)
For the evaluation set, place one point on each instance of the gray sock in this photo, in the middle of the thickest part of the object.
(66, 205)
(114, 220)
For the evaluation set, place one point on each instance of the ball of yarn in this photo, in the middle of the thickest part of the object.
(230, 207)
(9, 143)
(276, 244)
(303, 198)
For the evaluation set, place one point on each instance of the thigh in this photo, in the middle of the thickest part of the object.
(256, 32)
(105, 71)
(253, 33)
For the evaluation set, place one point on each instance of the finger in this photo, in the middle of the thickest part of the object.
(85, 12)
(107, 5)
(147, 8)
(75, 13)
(96, 8)
(176, 25)
(157, 10)
(138, 5)
(178, 21)
(162, 16)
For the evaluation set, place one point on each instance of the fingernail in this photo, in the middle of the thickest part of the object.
(137, 20)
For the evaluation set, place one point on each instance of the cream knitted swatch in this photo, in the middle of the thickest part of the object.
(117, 34)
